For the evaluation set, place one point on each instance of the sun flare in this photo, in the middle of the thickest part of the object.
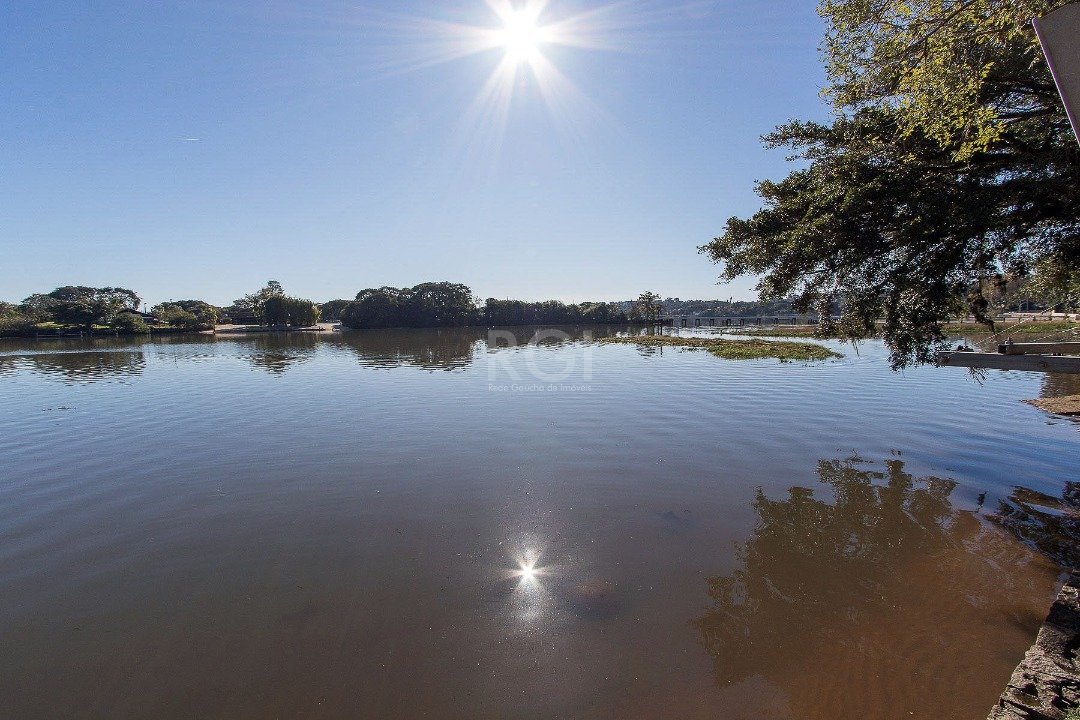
(526, 37)
(528, 572)
(521, 36)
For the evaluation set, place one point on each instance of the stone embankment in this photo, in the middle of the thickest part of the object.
(1046, 685)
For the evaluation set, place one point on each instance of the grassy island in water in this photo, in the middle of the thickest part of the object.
(748, 349)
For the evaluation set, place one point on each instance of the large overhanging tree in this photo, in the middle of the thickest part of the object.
(949, 169)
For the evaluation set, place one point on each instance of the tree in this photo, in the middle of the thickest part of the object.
(374, 308)
(648, 306)
(439, 304)
(434, 304)
(253, 304)
(550, 312)
(504, 312)
(331, 311)
(302, 313)
(14, 321)
(1055, 286)
(273, 307)
(187, 314)
(281, 310)
(602, 313)
(446, 304)
(948, 171)
(83, 306)
(130, 323)
(273, 311)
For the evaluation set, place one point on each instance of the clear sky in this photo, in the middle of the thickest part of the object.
(198, 149)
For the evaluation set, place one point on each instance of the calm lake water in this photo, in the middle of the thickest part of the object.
(335, 527)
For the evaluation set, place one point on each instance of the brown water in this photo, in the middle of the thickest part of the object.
(335, 527)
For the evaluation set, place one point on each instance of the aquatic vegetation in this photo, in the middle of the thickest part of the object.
(749, 349)
(783, 331)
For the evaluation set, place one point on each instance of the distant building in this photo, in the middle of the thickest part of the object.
(148, 318)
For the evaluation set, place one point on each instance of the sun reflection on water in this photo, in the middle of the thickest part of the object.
(530, 600)
(528, 573)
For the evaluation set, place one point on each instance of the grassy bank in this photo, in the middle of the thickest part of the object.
(966, 329)
(1014, 328)
(779, 331)
(734, 349)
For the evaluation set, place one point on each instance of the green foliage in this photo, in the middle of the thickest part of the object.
(302, 313)
(252, 305)
(271, 306)
(79, 305)
(187, 314)
(15, 322)
(508, 312)
(452, 305)
(648, 306)
(438, 304)
(130, 323)
(602, 313)
(734, 349)
(949, 171)
(274, 311)
(965, 73)
(550, 312)
(374, 308)
(281, 310)
(1055, 285)
(331, 311)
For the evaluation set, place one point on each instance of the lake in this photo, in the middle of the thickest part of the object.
(441, 524)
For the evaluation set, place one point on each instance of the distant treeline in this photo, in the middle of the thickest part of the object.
(444, 304)
(108, 310)
(116, 310)
(431, 304)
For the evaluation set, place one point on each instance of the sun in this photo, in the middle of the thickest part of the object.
(521, 36)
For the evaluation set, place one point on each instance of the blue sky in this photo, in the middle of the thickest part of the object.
(199, 149)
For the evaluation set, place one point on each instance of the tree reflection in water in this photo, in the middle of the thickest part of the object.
(428, 349)
(453, 348)
(277, 352)
(1049, 524)
(882, 602)
(89, 366)
(1060, 384)
(97, 359)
